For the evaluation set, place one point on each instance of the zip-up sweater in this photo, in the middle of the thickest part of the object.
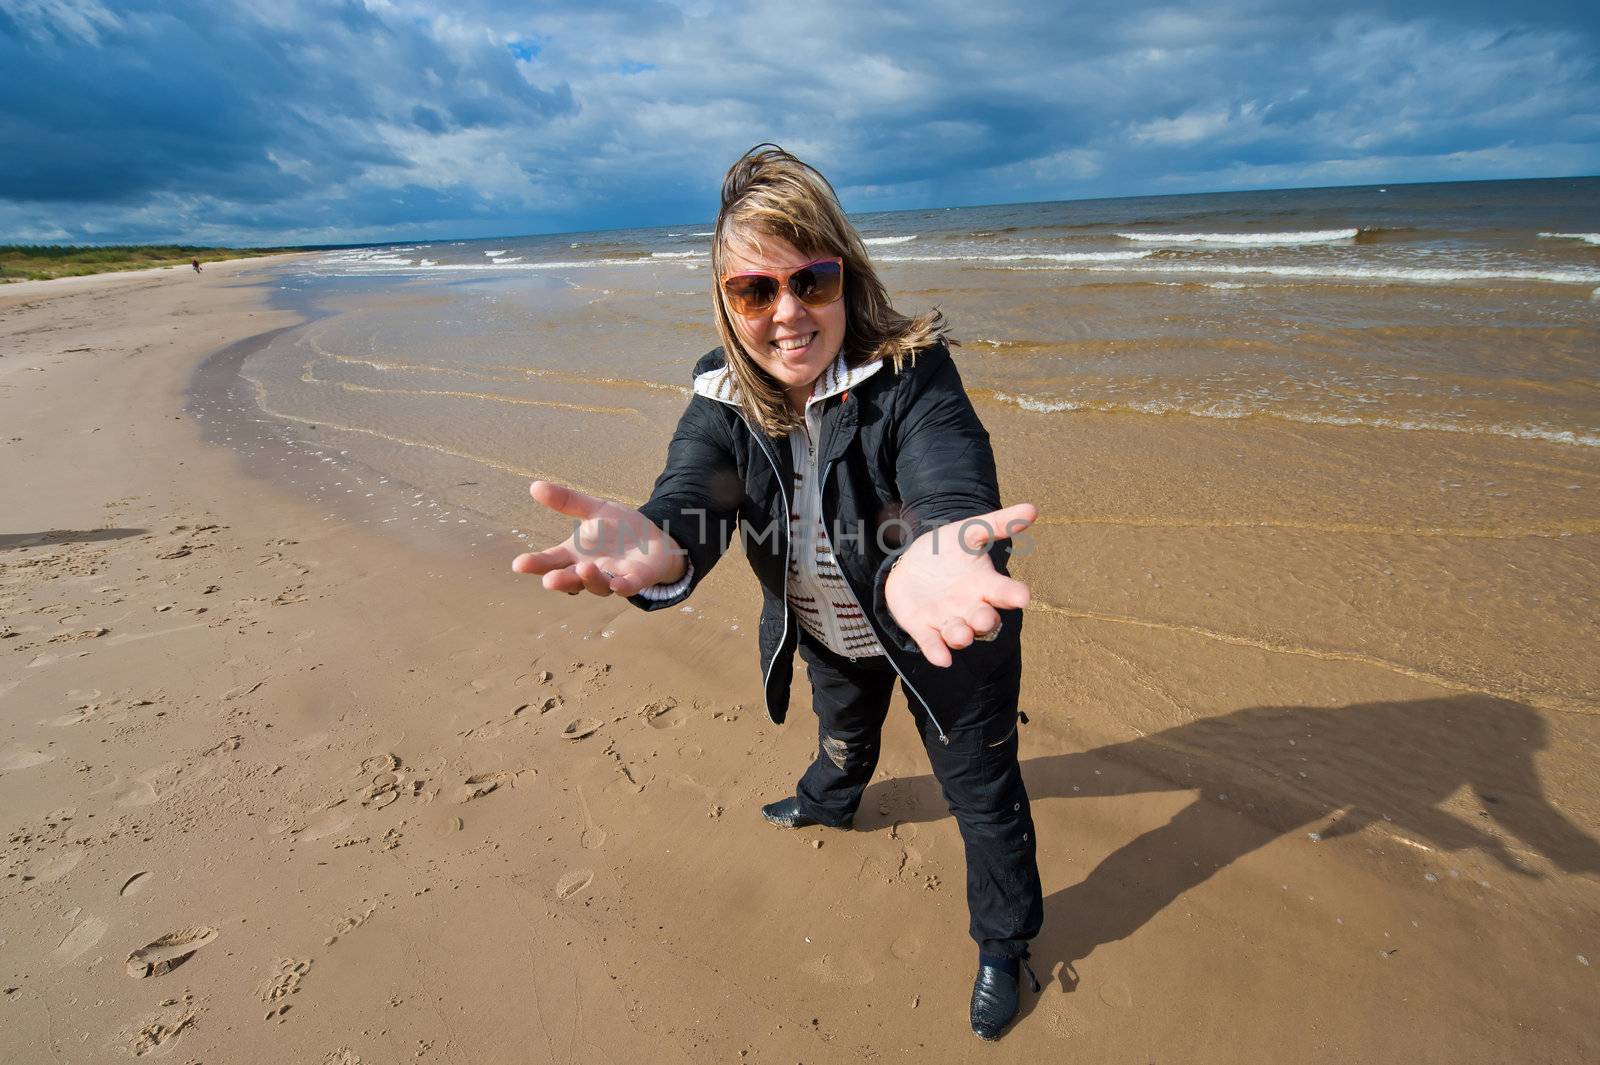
(818, 595)
(898, 454)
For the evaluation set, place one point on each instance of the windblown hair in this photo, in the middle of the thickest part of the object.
(770, 192)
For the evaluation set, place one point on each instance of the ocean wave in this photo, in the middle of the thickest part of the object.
(1358, 273)
(677, 254)
(1055, 257)
(889, 240)
(506, 260)
(492, 254)
(1587, 238)
(1044, 405)
(707, 233)
(1307, 236)
(364, 258)
(404, 266)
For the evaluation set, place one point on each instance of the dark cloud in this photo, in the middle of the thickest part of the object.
(297, 120)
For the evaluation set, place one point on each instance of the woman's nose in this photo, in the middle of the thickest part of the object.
(788, 309)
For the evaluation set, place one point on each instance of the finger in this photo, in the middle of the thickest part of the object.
(1007, 593)
(593, 580)
(543, 561)
(983, 620)
(983, 530)
(630, 583)
(956, 633)
(931, 646)
(564, 500)
(563, 580)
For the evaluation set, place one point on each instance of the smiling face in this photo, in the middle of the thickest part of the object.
(792, 342)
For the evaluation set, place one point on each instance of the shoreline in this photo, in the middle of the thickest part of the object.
(330, 746)
(24, 285)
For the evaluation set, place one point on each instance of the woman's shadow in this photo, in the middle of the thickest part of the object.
(1264, 772)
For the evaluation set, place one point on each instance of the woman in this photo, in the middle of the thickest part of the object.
(837, 435)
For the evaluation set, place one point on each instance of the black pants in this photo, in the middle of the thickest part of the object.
(977, 770)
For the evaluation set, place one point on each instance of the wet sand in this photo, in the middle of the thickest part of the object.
(1314, 716)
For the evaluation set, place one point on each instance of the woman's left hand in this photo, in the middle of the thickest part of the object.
(945, 592)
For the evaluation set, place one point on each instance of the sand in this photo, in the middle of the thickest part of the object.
(277, 787)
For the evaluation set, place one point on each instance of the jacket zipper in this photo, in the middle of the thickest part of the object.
(926, 706)
(777, 476)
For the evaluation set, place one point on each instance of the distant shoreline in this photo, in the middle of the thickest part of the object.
(23, 262)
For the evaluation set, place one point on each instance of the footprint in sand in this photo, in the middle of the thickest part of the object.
(1116, 993)
(80, 939)
(583, 726)
(285, 981)
(480, 784)
(664, 715)
(850, 972)
(158, 1036)
(158, 784)
(134, 884)
(326, 823)
(57, 867)
(14, 758)
(378, 763)
(163, 955)
(593, 835)
(573, 883)
(906, 947)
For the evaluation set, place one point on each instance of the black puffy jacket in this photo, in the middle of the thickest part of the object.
(899, 454)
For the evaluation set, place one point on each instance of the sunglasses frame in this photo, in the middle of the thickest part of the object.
(782, 277)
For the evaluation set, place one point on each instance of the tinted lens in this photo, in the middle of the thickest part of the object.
(818, 284)
(750, 294)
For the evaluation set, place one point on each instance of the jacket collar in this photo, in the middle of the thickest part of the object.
(721, 385)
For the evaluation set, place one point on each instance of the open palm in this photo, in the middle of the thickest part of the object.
(945, 592)
(613, 549)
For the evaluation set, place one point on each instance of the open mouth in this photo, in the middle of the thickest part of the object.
(791, 345)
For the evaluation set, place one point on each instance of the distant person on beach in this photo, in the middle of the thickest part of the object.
(835, 433)
(196, 266)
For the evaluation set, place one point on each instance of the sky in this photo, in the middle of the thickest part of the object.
(291, 121)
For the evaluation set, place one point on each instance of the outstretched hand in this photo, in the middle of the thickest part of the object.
(945, 592)
(614, 548)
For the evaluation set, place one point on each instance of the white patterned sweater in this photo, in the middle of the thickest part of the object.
(817, 592)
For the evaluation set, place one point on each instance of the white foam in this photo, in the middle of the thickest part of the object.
(1056, 406)
(1061, 257)
(402, 266)
(1587, 238)
(492, 254)
(889, 240)
(427, 262)
(504, 261)
(707, 233)
(1307, 236)
(677, 254)
(1359, 273)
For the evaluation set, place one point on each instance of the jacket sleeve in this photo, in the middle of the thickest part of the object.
(944, 467)
(696, 499)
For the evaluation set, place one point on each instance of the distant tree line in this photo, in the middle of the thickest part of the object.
(38, 262)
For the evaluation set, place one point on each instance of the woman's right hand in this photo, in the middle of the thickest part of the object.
(613, 549)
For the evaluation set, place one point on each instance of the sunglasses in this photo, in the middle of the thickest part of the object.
(815, 284)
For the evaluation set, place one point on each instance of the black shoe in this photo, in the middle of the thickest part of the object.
(785, 813)
(994, 994)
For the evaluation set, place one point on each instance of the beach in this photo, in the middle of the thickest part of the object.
(293, 768)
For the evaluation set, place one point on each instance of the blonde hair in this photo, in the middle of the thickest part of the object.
(770, 192)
